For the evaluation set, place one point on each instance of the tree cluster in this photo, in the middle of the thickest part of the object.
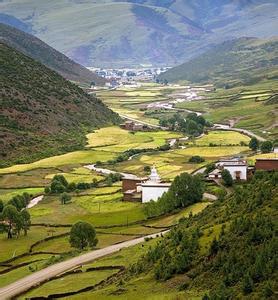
(14, 216)
(184, 191)
(265, 146)
(192, 125)
(60, 185)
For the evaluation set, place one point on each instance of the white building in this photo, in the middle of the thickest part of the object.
(153, 188)
(237, 168)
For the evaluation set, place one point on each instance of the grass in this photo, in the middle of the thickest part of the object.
(32, 178)
(222, 138)
(119, 140)
(173, 219)
(70, 283)
(240, 104)
(14, 247)
(85, 175)
(76, 157)
(83, 208)
(7, 194)
(171, 163)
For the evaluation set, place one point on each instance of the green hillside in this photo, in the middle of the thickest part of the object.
(128, 32)
(238, 62)
(229, 251)
(41, 112)
(40, 51)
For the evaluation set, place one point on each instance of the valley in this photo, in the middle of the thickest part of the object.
(115, 221)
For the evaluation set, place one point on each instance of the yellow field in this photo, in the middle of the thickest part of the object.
(78, 175)
(222, 138)
(117, 139)
(211, 152)
(77, 157)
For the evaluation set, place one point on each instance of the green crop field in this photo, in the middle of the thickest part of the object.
(7, 194)
(222, 138)
(245, 107)
(115, 139)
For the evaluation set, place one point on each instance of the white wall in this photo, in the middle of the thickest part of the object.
(152, 193)
(234, 169)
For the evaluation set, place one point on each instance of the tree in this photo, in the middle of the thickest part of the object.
(65, 198)
(25, 220)
(1, 205)
(71, 187)
(82, 235)
(266, 146)
(57, 187)
(10, 215)
(187, 189)
(210, 167)
(61, 179)
(254, 144)
(147, 169)
(227, 177)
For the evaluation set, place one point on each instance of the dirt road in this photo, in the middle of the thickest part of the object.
(43, 275)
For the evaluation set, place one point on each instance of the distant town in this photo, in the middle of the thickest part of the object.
(127, 76)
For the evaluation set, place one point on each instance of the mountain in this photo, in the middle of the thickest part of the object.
(129, 32)
(40, 51)
(41, 113)
(236, 62)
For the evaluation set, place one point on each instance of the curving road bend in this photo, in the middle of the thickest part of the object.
(43, 275)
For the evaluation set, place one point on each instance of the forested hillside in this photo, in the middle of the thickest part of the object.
(41, 112)
(130, 32)
(238, 62)
(229, 251)
(40, 51)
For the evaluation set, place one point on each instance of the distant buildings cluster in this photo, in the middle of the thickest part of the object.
(119, 77)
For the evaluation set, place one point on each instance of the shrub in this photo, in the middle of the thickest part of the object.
(196, 159)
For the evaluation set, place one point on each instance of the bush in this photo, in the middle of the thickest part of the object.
(65, 198)
(266, 146)
(227, 177)
(196, 159)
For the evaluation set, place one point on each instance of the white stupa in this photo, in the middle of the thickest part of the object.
(154, 177)
(153, 188)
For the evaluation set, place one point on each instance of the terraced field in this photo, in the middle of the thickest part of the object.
(245, 107)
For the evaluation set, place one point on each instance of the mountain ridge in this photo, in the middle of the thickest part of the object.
(40, 51)
(125, 33)
(236, 62)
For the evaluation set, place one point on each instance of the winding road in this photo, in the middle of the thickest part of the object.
(24, 284)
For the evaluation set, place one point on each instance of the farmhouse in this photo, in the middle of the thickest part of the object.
(237, 168)
(267, 164)
(144, 189)
(132, 126)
